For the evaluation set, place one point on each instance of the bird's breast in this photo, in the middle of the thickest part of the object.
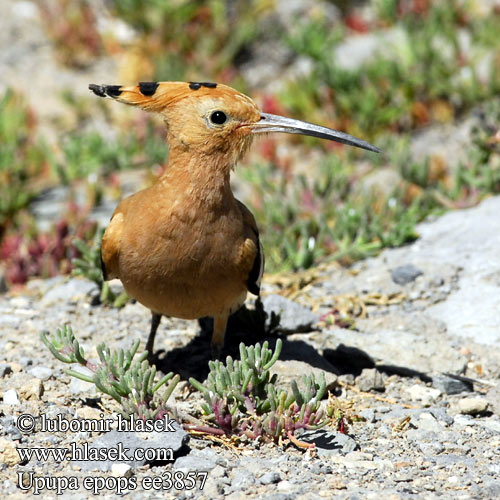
(184, 264)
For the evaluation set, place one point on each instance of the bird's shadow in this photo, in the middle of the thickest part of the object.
(191, 360)
(249, 326)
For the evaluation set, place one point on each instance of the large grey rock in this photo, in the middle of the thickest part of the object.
(293, 317)
(388, 342)
(471, 238)
(458, 296)
(451, 385)
(73, 289)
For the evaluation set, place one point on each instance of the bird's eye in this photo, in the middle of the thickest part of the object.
(218, 117)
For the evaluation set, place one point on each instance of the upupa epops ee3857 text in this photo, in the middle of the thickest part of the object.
(185, 247)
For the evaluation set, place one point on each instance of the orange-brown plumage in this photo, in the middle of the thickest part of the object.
(185, 247)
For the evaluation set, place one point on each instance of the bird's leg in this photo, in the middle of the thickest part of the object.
(220, 324)
(155, 322)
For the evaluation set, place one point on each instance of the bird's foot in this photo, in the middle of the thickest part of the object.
(151, 358)
(216, 351)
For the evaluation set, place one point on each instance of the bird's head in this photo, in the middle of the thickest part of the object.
(213, 118)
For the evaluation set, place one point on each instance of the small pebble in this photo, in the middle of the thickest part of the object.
(41, 372)
(270, 478)
(403, 275)
(25, 361)
(370, 380)
(368, 415)
(432, 448)
(121, 470)
(5, 369)
(285, 486)
(422, 393)
(87, 412)
(427, 422)
(472, 406)
(10, 428)
(8, 452)
(16, 367)
(32, 389)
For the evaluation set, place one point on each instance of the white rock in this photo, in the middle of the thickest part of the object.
(284, 486)
(422, 393)
(78, 386)
(41, 372)
(427, 422)
(472, 406)
(121, 470)
(10, 397)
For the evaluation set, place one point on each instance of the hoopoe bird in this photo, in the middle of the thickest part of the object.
(186, 247)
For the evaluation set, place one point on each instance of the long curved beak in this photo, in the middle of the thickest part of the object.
(276, 123)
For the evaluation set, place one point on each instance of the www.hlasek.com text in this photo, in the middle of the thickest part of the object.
(84, 452)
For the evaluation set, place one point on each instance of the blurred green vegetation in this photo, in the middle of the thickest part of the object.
(90, 153)
(23, 159)
(88, 264)
(325, 216)
(444, 60)
(423, 76)
(183, 38)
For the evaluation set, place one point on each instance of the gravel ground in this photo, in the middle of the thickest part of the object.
(423, 315)
(420, 366)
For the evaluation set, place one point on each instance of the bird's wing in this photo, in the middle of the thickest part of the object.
(251, 251)
(110, 247)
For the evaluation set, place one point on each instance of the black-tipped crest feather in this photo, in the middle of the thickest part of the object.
(106, 90)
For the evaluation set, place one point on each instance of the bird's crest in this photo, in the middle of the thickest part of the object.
(156, 96)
